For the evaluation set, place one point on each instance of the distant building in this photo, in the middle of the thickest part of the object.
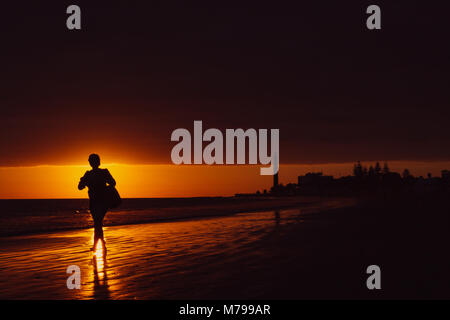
(314, 178)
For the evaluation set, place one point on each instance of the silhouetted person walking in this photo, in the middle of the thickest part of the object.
(97, 180)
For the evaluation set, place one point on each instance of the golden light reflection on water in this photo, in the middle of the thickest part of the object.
(147, 261)
(99, 256)
(99, 274)
(98, 252)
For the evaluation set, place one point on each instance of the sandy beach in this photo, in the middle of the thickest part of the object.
(320, 250)
(193, 259)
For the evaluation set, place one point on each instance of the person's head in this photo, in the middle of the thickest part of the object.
(94, 160)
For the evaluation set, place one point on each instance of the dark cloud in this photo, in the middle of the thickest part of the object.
(135, 72)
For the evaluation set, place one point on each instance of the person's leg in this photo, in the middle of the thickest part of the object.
(98, 229)
(102, 238)
(98, 223)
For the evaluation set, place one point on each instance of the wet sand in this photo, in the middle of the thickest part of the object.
(247, 255)
(320, 250)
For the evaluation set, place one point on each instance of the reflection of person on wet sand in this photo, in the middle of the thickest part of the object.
(97, 180)
(101, 288)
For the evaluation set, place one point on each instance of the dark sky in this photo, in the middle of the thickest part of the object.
(138, 70)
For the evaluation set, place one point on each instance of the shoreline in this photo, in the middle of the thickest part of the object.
(168, 260)
(320, 251)
(190, 213)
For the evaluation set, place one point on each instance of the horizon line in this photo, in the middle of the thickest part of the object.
(211, 165)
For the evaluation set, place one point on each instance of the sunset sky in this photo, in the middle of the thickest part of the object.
(135, 72)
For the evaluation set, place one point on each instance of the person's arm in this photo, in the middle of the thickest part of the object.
(82, 183)
(109, 179)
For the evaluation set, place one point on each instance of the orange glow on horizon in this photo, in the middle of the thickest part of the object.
(168, 180)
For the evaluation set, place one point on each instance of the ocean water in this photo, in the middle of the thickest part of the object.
(19, 217)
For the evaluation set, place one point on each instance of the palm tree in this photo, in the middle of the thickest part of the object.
(386, 168)
(377, 168)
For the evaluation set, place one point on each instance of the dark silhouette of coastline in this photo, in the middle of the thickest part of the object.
(365, 181)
